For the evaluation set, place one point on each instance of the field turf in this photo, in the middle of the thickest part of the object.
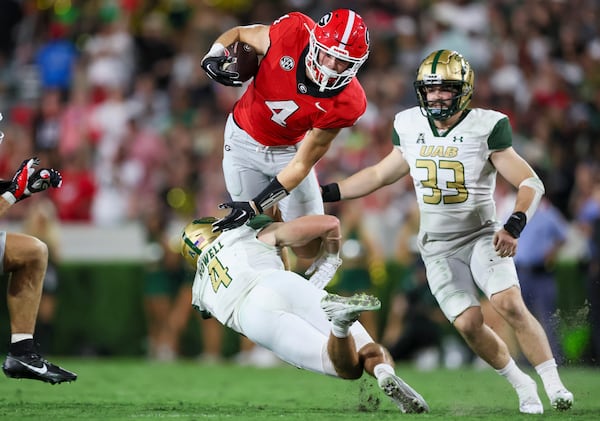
(117, 389)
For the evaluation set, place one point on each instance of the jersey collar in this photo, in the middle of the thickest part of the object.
(305, 86)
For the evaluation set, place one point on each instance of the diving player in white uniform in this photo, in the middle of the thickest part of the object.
(241, 281)
(453, 155)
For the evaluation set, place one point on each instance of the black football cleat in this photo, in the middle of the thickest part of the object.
(34, 366)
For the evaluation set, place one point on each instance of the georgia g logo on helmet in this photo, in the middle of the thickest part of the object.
(341, 34)
(325, 19)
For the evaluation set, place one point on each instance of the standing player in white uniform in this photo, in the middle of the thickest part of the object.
(453, 155)
(241, 281)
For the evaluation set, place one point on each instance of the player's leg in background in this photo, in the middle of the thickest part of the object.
(178, 317)
(44, 331)
(212, 341)
(539, 291)
(157, 306)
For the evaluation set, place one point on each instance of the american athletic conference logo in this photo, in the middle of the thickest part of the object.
(287, 63)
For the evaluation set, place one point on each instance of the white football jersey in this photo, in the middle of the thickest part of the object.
(228, 268)
(453, 177)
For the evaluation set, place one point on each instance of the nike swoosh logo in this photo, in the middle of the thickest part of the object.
(40, 370)
(241, 215)
(318, 105)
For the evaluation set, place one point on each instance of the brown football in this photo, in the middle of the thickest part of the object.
(245, 60)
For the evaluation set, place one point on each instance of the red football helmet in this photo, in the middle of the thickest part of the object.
(341, 34)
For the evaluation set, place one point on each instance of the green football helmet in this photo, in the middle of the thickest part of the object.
(449, 69)
(195, 237)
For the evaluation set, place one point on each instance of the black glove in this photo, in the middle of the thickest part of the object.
(213, 66)
(240, 213)
(42, 180)
(27, 181)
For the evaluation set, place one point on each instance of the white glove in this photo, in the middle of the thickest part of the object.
(323, 270)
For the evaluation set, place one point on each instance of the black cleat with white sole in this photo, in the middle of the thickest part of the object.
(34, 366)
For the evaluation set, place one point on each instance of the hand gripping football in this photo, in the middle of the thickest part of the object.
(244, 60)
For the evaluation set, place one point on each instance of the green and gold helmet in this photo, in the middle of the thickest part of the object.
(195, 237)
(449, 69)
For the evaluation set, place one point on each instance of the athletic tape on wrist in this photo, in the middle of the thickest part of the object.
(9, 197)
(537, 186)
(216, 50)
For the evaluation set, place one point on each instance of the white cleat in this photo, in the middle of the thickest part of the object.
(561, 400)
(323, 270)
(404, 396)
(343, 311)
(529, 401)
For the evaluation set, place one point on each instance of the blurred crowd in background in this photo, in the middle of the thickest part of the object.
(111, 93)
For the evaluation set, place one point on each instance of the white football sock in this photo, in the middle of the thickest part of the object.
(340, 331)
(17, 337)
(383, 370)
(514, 375)
(549, 375)
(525, 386)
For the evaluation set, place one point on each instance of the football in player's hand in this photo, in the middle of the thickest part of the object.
(244, 60)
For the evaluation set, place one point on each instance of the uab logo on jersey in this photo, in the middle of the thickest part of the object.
(439, 151)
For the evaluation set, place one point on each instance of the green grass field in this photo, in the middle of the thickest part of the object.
(116, 389)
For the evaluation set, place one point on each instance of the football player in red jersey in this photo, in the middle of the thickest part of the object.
(304, 92)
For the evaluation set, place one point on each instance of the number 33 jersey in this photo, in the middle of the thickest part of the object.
(453, 176)
(281, 104)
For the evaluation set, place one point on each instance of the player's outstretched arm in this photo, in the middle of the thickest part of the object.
(315, 145)
(530, 191)
(387, 171)
(323, 231)
(319, 236)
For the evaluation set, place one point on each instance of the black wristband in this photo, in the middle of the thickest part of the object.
(515, 224)
(331, 192)
(272, 194)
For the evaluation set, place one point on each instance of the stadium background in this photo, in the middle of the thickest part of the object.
(128, 116)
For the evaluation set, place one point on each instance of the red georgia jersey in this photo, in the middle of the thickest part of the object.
(281, 104)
